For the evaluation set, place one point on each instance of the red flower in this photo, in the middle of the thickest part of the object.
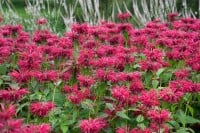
(50, 75)
(159, 116)
(85, 81)
(11, 126)
(124, 16)
(121, 94)
(41, 108)
(41, 21)
(7, 113)
(172, 16)
(171, 95)
(92, 125)
(43, 128)
(13, 94)
(149, 98)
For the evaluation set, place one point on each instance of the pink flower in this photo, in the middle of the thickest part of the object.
(11, 126)
(124, 16)
(77, 96)
(41, 108)
(120, 93)
(172, 16)
(41, 21)
(85, 81)
(92, 125)
(13, 94)
(136, 86)
(50, 75)
(149, 98)
(159, 116)
(42, 128)
(7, 112)
(171, 95)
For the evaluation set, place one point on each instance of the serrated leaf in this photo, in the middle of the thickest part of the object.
(123, 115)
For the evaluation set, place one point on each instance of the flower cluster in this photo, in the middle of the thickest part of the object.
(109, 77)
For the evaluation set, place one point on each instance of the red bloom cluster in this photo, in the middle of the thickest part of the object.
(124, 16)
(12, 94)
(41, 108)
(92, 125)
(113, 65)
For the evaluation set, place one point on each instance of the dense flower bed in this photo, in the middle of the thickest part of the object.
(105, 78)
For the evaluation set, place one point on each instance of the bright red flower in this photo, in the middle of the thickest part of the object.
(159, 116)
(41, 108)
(41, 21)
(122, 94)
(92, 125)
(13, 94)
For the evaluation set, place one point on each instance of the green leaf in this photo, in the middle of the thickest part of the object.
(88, 105)
(64, 128)
(123, 115)
(110, 106)
(139, 118)
(3, 69)
(141, 125)
(186, 119)
(160, 71)
(155, 83)
(191, 120)
(5, 77)
(59, 98)
(181, 117)
(191, 110)
(185, 130)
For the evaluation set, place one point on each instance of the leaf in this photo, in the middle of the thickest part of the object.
(155, 83)
(3, 69)
(191, 120)
(123, 115)
(22, 106)
(141, 125)
(160, 71)
(59, 98)
(184, 130)
(64, 128)
(110, 106)
(14, 85)
(191, 110)
(186, 119)
(88, 105)
(139, 118)
(5, 77)
(181, 117)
